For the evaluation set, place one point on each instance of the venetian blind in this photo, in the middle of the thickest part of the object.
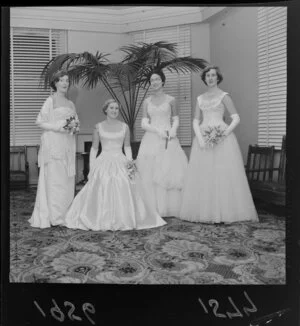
(272, 54)
(177, 85)
(30, 50)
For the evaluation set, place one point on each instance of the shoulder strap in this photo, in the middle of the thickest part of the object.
(199, 99)
(98, 127)
(49, 106)
(170, 98)
(223, 94)
(52, 100)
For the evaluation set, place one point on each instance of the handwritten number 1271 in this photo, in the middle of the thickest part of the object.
(57, 313)
(214, 304)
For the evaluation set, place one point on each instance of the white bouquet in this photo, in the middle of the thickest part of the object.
(72, 125)
(131, 169)
(213, 135)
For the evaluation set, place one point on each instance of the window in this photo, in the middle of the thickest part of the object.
(177, 85)
(272, 27)
(30, 50)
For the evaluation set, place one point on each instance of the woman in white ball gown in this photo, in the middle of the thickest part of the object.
(216, 187)
(111, 200)
(56, 158)
(161, 160)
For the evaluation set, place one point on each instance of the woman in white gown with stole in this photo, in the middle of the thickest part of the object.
(161, 161)
(216, 187)
(111, 199)
(56, 157)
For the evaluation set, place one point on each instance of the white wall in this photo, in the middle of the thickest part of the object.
(200, 41)
(233, 47)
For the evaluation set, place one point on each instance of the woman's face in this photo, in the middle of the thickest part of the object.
(156, 82)
(112, 110)
(62, 84)
(211, 78)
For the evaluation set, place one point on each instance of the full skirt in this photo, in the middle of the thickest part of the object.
(162, 166)
(216, 188)
(110, 200)
(55, 193)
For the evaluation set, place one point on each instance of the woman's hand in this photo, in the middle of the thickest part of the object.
(172, 133)
(201, 142)
(162, 133)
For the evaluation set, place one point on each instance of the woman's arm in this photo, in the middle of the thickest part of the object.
(95, 146)
(196, 126)
(228, 103)
(43, 120)
(147, 126)
(127, 147)
(175, 119)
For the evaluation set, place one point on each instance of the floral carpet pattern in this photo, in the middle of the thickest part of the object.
(180, 252)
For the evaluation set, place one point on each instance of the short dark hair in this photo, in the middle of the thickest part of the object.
(207, 69)
(55, 78)
(160, 73)
(106, 104)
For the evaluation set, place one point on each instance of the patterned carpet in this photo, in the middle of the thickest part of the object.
(177, 253)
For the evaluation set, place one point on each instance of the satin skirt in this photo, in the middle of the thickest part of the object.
(55, 193)
(110, 200)
(216, 188)
(162, 166)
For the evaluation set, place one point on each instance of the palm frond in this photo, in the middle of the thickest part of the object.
(78, 65)
(184, 65)
(121, 75)
(143, 52)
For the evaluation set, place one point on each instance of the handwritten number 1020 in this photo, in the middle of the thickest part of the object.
(57, 313)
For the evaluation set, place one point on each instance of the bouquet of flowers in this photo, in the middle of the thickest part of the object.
(131, 169)
(72, 125)
(213, 135)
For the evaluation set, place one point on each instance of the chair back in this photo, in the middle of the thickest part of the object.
(260, 163)
(282, 161)
(19, 167)
(18, 158)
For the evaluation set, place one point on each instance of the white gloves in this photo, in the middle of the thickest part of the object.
(93, 154)
(58, 126)
(235, 121)
(175, 125)
(198, 134)
(128, 152)
(147, 126)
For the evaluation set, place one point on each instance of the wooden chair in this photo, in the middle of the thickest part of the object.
(282, 162)
(19, 167)
(268, 187)
(260, 162)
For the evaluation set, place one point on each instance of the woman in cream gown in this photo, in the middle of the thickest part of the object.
(161, 160)
(110, 200)
(216, 187)
(56, 158)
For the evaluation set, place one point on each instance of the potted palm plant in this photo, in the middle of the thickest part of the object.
(126, 81)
